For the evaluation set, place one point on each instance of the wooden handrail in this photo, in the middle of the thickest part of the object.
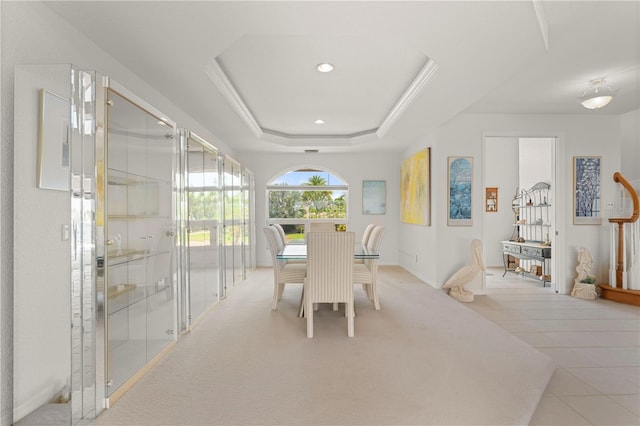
(617, 177)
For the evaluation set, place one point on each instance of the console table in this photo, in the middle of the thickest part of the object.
(527, 251)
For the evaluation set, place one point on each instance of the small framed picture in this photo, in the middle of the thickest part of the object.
(374, 197)
(586, 190)
(491, 200)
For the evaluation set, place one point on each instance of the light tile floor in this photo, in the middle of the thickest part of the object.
(595, 344)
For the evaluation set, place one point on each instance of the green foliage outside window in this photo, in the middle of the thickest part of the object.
(308, 204)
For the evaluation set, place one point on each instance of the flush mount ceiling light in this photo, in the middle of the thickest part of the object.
(324, 67)
(319, 121)
(597, 95)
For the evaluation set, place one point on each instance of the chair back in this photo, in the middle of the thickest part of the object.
(274, 242)
(374, 244)
(367, 233)
(281, 233)
(322, 227)
(330, 267)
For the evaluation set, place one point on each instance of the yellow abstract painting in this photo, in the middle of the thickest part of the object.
(415, 188)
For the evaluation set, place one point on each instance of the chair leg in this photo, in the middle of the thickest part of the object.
(309, 314)
(301, 311)
(346, 310)
(365, 287)
(350, 320)
(280, 290)
(276, 293)
(374, 293)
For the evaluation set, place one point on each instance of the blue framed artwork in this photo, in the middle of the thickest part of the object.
(460, 179)
(586, 190)
(374, 197)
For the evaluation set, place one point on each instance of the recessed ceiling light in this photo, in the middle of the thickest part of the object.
(319, 121)
(324, 67)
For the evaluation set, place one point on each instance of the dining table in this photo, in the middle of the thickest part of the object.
(297, 251)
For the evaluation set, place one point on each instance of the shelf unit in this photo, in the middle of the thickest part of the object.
(528, 252)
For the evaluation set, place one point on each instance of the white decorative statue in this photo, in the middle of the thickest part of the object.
(584, 285)
(585, 262)
(466, 274)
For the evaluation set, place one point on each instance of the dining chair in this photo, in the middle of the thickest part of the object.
(283, 272)
(283, 240)
(281, 233)
(365, 238)
(367, 233)
(329, 274)
(322, 227)
(366, 273)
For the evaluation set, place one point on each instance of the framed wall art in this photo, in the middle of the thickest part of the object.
(587, 172)
(491, 200)
(53, 142)
(460, 177)
(415, 188)
(374, 197)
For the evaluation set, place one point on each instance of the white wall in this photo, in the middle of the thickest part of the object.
(535, 163)
(418, 245)
(588, 134)
(32, 34)
(354, 168)
(501, 171)
(42, 262)
(630, 130)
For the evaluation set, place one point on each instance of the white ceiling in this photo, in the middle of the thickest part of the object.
(489, 57)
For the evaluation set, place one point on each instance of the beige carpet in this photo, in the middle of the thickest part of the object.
(423, 359)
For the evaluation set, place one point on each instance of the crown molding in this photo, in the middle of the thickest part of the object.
(425, 74)
(318, 136)
(222, 82)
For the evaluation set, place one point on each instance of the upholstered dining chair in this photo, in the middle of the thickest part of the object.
(281, 233)
(366, 273)
(365, 238)
(329, 274)
(283, 241)
(322, 227)
(283, 272)
(367, 233)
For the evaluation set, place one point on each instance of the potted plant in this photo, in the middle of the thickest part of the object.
(591, 279)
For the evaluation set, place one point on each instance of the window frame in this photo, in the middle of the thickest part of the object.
(306, 221)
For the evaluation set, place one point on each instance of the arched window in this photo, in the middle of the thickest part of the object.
(304, 195)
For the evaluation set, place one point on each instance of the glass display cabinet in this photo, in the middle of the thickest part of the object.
(138, 233)
(138, 159)
(202, 227)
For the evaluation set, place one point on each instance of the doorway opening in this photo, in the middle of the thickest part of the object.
(514, 211)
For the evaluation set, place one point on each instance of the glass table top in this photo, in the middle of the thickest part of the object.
(299, 252)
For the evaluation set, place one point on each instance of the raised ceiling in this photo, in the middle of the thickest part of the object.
(246, 70)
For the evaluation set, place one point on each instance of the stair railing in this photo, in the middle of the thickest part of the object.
(620, 258)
